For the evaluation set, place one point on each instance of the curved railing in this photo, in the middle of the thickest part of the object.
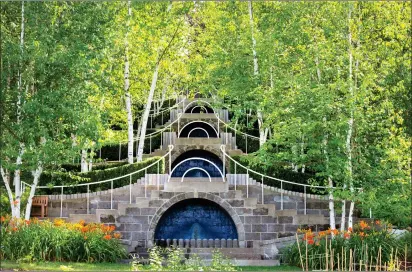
(199, 159)
(111, 181)
(282, 181)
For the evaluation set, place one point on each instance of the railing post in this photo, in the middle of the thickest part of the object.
(150, 145)
(178, 125)
(281, 195)
(130, 189)
(120, 150)
(145, 183)
(246, 142)
(263, 198)
(111, 195)
(61, 203)
(170, 160)
(218, 125)
(157, 177)
(305, 196)
(247, 183)
(151, 121)
(235, 176)
(370, 212)
(88, 198)
(162, 117)
(224, 160)
(161, 140)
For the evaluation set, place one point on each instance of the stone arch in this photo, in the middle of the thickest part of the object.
(208, 196)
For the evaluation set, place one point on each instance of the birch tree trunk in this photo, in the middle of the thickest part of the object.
(350, 124)
(145, 116)
(6, 179)
(263, 132)
(83, 162)
(332, 222)
(36, 177)
(127, 90)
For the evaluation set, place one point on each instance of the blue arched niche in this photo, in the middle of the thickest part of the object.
(196, 219)
(208, 167)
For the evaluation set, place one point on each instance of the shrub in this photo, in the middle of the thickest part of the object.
(273, 170)
(68, 178)
(363, 245)
(34, 240)
(172, 259)
(75, 167)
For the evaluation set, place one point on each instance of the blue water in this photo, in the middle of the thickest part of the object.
(195, 219)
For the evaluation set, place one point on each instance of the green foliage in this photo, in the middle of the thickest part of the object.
(365, 242)
(76, 167)
(67, 178)
(172, 259)
(31, 241)
(277, 170)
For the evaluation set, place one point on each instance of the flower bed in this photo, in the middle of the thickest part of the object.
(34, 240)
(364, 247)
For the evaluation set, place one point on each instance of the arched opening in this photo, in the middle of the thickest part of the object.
(211, 168)
(198, 129)
(196, 219)
(199, 109)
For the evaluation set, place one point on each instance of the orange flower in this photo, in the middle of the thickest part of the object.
(361, 234)
(117, 235)
(14, 229)
(81, 222)
(2, 219)
(378, 222)
(107, 237)
(363, 225)
(310, 242)
(350, 229)
(27, 222)
(85, 229)
(346, 235)
(15, 202)
(112, 228)
(335, 232)
(328, 231)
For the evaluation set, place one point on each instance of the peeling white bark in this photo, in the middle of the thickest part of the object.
(350, 125)
(127, 90)
(145, 116)
(255, 59)
(36, 177)
(6, 179)
(83, 163)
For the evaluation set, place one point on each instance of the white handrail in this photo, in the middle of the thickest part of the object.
(277, 179)
(196, 158)
(198, 128)
(197, 121)
(165, 110)
(196, 168)
(108, 180)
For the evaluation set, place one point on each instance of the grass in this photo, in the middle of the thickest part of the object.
(69, 266)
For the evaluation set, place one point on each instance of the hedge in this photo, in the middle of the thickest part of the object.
(110, 152)
(68, 178)
(76, 167)
(276, 171)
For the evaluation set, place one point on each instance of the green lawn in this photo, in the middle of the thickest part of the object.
(63, 266)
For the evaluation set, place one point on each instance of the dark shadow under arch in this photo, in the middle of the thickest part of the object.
(195, 219)
(208, 167)
(198, 133)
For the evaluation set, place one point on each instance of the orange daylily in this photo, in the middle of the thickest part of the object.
(117, 235)
(363, 225)
(350, 229)
(346, 235)
(378, 222)
(107, 237)
(15, 202)
(2, 219)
